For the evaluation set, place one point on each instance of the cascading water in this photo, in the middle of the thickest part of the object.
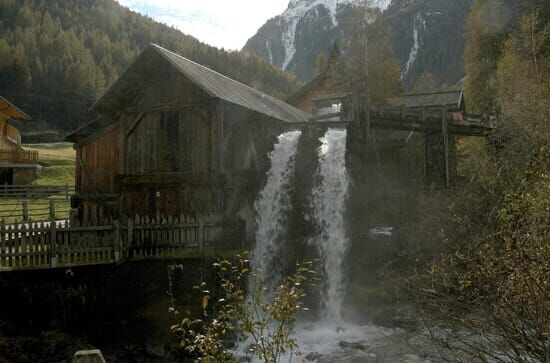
(272, 209)
(329, 339)
(328, 204)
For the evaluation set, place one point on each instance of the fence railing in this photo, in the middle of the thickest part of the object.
(50, 245)
(25, 203)
(19, 156)
(34, 210)
(35, 191)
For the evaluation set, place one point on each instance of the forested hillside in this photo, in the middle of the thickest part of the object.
(57, 57)
(491, 268)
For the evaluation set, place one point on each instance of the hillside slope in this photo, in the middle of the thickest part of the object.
(57, 57)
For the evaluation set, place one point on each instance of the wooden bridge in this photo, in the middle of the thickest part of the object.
(44, 245)
(438, 120)
(353, 111)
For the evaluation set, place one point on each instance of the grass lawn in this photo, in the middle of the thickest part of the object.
(60, 158)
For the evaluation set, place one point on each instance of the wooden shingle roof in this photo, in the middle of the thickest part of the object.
(213, 83)
(452, 100)
(8, 110)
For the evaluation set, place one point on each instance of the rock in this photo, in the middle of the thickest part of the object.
(381, 232)
(411, 358)
(155, 351)
(354, 345)
(313, 356)
(88, 356)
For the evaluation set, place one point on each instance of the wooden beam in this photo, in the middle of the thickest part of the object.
(135, 124)
(168, 106)
(445, 135)
(327, 116)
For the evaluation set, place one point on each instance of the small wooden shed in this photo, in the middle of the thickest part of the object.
(395, 161)
(176, 137)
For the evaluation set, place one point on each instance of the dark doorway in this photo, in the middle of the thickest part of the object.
(6, 176)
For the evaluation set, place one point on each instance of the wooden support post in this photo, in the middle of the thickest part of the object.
(130, 231)
(444, 130)
(200, 219)
(52, 210)
(201, 234)
(367, 115)
(425, 148)
(25, 208)
(3, 240)
(116, 241)
(53, 245)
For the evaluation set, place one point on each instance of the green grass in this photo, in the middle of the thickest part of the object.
(59, 159)
(11, 210)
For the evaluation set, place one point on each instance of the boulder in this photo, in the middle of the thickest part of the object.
(88, 356)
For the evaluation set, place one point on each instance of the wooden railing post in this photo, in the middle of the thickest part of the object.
(444, 131)
(2, 241)
(25, 207)
(53, 245)
(52, 210)
(130, 234)
(116, 242)
(201, 233)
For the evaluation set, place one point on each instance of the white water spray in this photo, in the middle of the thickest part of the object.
(328, 204)
(272, 208)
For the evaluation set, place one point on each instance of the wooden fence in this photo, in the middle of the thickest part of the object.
(35, 210)
(25, 203)
(19, 156)
(49, 245)
(35, 191)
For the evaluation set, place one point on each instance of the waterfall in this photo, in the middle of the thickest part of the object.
(328, 204)
(272, 209)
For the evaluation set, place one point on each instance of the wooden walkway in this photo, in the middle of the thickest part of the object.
(411, 119)
(51, 245)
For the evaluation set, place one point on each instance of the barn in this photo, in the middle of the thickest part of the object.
(176, 137)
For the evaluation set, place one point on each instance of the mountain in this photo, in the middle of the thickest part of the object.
(427, 35)
(58, 56)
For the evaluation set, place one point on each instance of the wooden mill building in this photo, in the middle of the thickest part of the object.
(17, 166)
(176, 137)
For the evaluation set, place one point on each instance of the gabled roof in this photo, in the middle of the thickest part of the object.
(452, 100)
(308, 86)
(8, 110)
(213, 83)
(93, 127)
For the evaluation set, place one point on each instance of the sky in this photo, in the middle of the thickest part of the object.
(222, 23)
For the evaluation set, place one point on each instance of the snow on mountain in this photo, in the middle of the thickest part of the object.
(419, 24)
(427, 35)
(299, 9)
